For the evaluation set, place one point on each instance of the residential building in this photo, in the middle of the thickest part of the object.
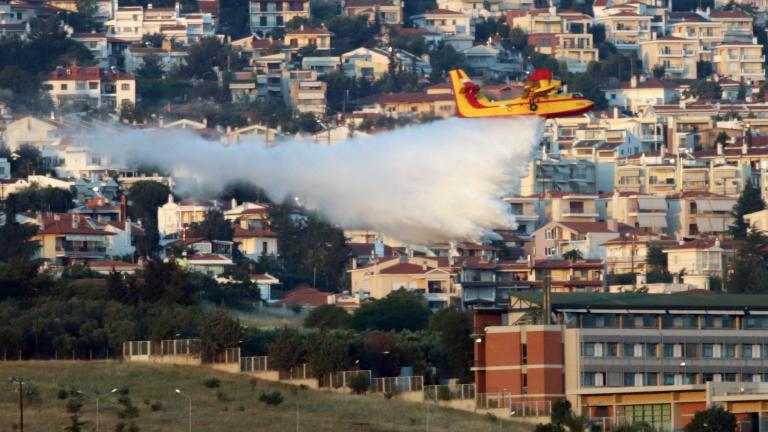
(555, 238)
(694, 213)
(701, 260)
(571, 207)
(627, 253)
(623, 358)
(209, 264)
(627, 29)
(408, 105)
(526, 212)
(307, 94)
(388, 12)
(269, 74)
(173, 217)
(559, 175)
(266, 284)
(302, 37)
(5, 169)
(170, 58)
(267, 15)
(69, 239)
(678, 56)
(321, 65)
(757, 220)
(254, 242)
(423, 274)
(131, 23)
(640, 94)
(562, 34)
(741, 61)
(373, 63)
(98, 45)
(445, 22)
(86, 86)
(638, 210)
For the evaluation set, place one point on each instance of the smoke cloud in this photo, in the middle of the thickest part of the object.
(436, 182)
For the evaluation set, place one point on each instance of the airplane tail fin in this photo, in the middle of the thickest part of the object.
(461, 85)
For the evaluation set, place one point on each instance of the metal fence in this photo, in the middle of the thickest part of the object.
(298, 373)
(227, 355)
(254, 364)
(449, 392)
(394, 385)
(341, 379)
(516, 407)
(161, 348)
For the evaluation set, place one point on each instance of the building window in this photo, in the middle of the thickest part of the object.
(588, 379)
(125, 87)
(659, 416)
(63, 86)
(629, 379)
(708, 350)
(729, 351)
(651, 379)
(669, 379)
(610, 349)
(279, 20)
(93, 86)
(589, 349)
(263, 21)
(628, 350)
(550, 251)
(598, 320)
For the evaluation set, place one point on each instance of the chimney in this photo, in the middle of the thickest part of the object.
(719, 149)
(615, 112)
(633, 81)
(234, 202)
(744, 148)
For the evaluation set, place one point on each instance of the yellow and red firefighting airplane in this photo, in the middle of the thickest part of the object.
(542, 96)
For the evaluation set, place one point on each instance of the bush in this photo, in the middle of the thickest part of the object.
(212, 383)
(358, 383)
(62, 394)
(221, 396)
(156, 406)
(388, 395)
(443, 393)
(271, 398)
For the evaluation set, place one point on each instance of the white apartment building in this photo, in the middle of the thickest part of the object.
(267, 15)
(445, 22)
(130, 23)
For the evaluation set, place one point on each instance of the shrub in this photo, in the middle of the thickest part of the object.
(443, 393)
(358, 383)
(271, 398)
(212, 383)
(221, 396)
(156, 406)
(388, 395)
(62, 394)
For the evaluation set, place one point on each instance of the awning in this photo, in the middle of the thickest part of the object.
(713, 224)
(648, 311)
(652, 203)
(725, 312)
(652, 220)
(84, 237)
(724, 205)
(688, 312)
(629, 172)
(695, 176)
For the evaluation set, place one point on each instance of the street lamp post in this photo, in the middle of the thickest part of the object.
(190, 407)
(98, 418)
(20, 382)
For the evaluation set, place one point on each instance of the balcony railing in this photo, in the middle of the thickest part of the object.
(80, 251)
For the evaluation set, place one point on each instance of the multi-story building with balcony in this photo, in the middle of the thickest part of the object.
(700, 260)
(678, 56)
(302, 37)
(554, 239)
(445, 22)
(740, 60)
(267, 15)
(694, 213)
(627, 29)
(90, 86)
(640, 94)
(638, 210)
(131, 23)
(67, 239)
(526, 211)
(623, 358)
(307, 94)
(389, 12)
(562, 34)
(559, 175)
(627, 252)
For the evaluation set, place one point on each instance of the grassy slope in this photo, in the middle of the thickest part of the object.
(239, 411)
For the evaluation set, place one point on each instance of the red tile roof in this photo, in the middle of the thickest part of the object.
(306, 297)
(734, 13)
(441, 12)
(405, 269)
(591, 227)
(309, 31)
(706, 244)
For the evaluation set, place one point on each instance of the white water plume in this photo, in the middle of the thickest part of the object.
(435, 182)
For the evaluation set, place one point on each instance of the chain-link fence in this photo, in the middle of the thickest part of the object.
(394, 385)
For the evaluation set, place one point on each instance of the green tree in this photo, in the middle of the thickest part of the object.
(327, 317)
(243, 191)
(144, 199)
(749, 201)
(213, 227)
(219, 331)
(74, 404)
(33, 198)
(444, 59)
(351, 33)
(206, 55)
(750, 267)
(17, 241)
(712, 419)
(704, 90)
(573, 255)
(518, 39)
(328, 353)
(288, 350)
(655, 257)
(400, 310)
(722, 138)
(151, 68)
(455, 329)
(658, 71)
(28, 161)
(154, 40)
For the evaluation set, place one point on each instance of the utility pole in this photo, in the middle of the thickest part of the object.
(20, 382)
(547, 306)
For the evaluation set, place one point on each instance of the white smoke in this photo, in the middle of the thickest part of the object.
(435, 182)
